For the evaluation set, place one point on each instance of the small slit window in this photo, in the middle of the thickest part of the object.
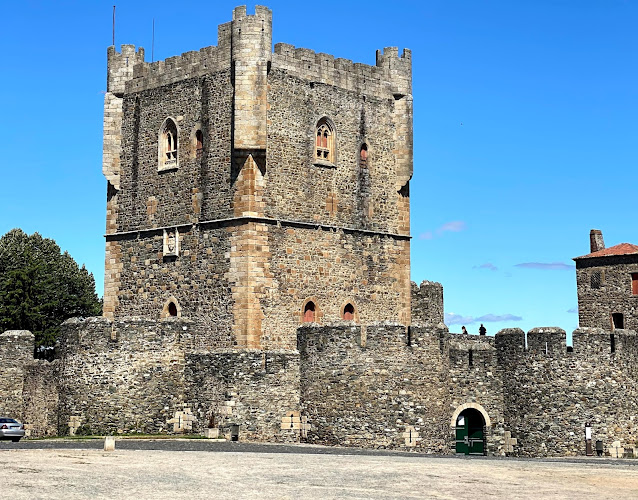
(618, 321)
(309, 312)
(634, 283)
(348, 312)
(324, 142)
(168, 145)
(199, 142)
(363, 156)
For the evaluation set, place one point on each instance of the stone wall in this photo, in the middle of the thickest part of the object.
(16, 352)
(41, 394)
(133, 375)
(298, 188)
(197, 280)
(123, 376)
(370, 390)
(475, 380)
(250, 388)
(614, 294)
(29, 391)
(551, 393)
(427, 303)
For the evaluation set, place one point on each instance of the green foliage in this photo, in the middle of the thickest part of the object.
(40, 287)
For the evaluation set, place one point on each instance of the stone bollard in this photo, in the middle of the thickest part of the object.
(109, 443)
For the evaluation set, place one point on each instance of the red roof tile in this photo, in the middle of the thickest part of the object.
(622, 249)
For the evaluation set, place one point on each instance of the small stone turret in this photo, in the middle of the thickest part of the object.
(119, 71)
(251, 55)
(120, 67)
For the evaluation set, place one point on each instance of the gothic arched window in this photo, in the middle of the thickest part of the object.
(168, 145)
(325, 141)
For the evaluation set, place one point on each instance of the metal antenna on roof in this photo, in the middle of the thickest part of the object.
(114, 25)
(153, 43)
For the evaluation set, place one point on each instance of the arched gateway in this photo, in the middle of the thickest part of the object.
(470, 428)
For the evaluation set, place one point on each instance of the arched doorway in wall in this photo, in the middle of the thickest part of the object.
(470, 432)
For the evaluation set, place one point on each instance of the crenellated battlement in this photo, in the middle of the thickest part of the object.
(177, 68)
(245, 37)
(120, 66)
(262, 13)
(248, 39)
(550, 342)
(427, 303)
(392, 75)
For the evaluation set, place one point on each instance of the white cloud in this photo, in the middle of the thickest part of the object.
(490, 318)
(487, 265)
(546, 266)
(459, 319)
(426, 236)
(454, 226)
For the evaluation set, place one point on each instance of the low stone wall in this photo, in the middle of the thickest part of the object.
(135, 375)
(252, 389)
(16, 352)
(41, 398)
(123, 376)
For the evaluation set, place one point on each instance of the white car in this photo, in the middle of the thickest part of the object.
(11, 429)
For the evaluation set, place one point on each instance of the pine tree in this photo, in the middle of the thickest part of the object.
(40, 287)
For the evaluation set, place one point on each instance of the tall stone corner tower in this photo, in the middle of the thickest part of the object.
(250, 190)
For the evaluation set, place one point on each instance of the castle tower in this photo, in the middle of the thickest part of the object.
(252, 190)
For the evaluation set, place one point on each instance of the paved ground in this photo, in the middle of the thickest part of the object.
(167, 469)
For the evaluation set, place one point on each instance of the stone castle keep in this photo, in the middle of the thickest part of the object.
(257, 277)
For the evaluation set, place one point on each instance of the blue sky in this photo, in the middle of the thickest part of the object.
(524, 130)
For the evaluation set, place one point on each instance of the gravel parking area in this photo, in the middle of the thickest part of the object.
(269, 473)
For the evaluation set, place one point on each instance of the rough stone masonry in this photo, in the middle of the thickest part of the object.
(257, 277)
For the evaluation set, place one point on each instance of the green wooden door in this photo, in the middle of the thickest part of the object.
(462, 442)
(470, 433)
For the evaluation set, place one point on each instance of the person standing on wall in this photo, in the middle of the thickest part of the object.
(463, 330)
(482, 330)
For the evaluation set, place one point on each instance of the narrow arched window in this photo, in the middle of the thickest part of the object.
(348, 312)
(168, 145)
(363, 156)
(172, 309)
(325, 142)
(309, 312)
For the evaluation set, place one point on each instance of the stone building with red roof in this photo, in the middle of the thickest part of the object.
(607, 283)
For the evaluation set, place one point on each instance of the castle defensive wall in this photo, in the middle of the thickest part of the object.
(378, 386)
(257, 278)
